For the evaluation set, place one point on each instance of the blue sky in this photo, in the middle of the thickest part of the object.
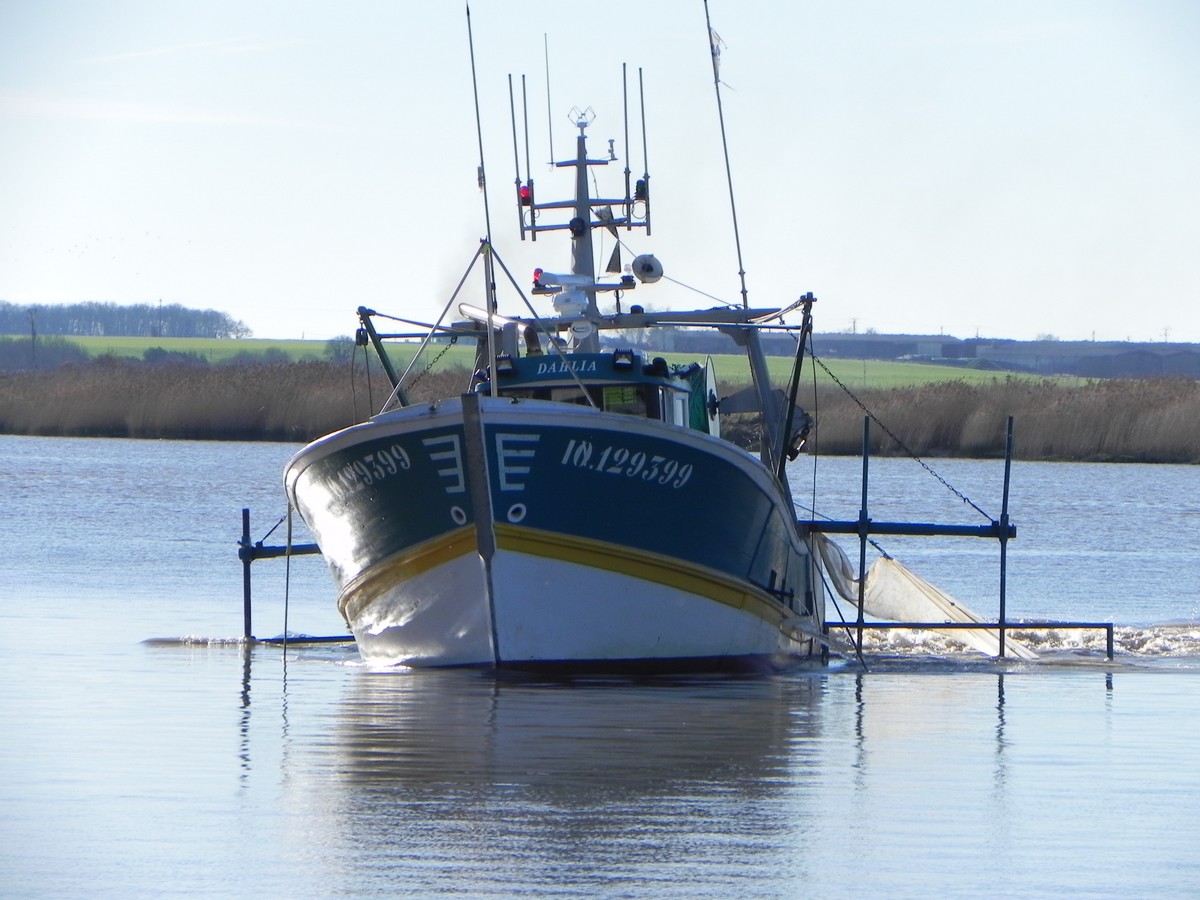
(1003, 170)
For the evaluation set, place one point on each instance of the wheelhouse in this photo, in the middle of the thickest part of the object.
(617, 381)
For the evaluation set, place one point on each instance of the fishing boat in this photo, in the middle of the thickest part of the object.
(576, 504)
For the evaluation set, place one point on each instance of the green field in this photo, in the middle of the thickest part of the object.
(860, 373)
(854, 373)
(215, 350)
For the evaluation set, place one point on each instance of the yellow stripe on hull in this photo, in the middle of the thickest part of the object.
(642, 564)
(645, 565)
(408, 564)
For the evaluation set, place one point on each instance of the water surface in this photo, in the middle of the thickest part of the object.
(207, 767)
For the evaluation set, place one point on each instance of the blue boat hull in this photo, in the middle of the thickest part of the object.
(483, 531)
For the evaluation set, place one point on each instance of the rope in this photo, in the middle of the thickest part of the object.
(353, 388)
(687, 287)
(924, 465)
(367, 375)
(273, 527)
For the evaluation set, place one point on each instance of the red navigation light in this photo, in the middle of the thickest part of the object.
(537, 278)
(526, 195)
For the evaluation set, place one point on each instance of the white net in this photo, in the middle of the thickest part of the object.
(894, 593)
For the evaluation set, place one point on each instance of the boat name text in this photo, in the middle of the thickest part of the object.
(563, 366)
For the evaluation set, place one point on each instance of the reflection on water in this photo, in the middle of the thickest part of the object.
(502, 780)
(461, 781)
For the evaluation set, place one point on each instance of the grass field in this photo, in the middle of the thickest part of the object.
(215, 350)
(857, 374)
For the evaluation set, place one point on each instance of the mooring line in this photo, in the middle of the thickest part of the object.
(272, 529)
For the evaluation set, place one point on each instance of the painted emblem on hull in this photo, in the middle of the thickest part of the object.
(452, 457)
(515, 453)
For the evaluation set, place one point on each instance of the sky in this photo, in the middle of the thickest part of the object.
(974, 169)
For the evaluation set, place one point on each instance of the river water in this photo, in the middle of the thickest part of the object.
(146, 751)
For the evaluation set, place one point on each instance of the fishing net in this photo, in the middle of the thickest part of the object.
(894, 593)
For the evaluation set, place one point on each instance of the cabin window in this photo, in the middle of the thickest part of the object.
(679, 409)
(628, 399)
(645, 401)
(573, 394)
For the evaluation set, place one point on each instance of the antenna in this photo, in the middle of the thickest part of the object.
(715, 50)
(644, 192)
(490, 286)
(487, 218)
(512, 110)
(549, 117)
(625, 103)
(525, 197)
(528, 169)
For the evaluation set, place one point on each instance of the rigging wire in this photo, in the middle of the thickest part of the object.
(903, 446)
(832, 594)
(353, 387)
(816, 441)
(687, 287)
(273, 527)
(696, 290)
(367, 374)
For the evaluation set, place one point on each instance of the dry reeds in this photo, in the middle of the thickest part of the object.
(1151, 420)
(1111, 420)
(296, 402)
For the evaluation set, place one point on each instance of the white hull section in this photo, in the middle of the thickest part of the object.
(437, 618)
(552, 611)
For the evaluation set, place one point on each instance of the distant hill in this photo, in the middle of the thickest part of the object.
(113, 320)
(1088, 359)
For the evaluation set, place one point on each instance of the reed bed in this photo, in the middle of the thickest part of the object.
(1110, 420)
(294, 402)
(1119, 420)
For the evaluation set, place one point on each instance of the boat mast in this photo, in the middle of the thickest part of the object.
(575, 292)
(582, 257)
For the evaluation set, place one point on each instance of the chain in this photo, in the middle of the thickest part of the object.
(961, 496)
(429, 368)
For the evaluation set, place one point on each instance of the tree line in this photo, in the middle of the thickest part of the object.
(113, 320)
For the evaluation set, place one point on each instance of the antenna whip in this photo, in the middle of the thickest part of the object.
(714, 43)
(487, 217)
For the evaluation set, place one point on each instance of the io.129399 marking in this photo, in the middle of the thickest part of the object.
(612, 460)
